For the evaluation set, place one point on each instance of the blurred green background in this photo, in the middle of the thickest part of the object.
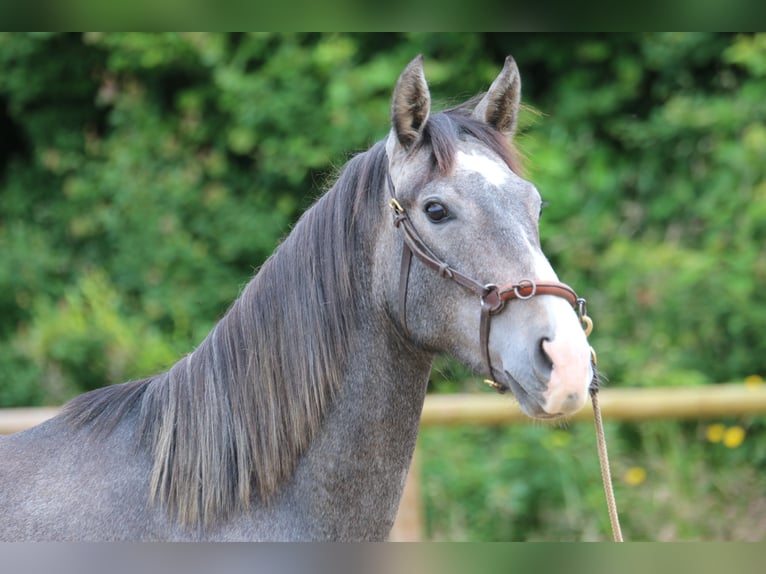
(144, 177)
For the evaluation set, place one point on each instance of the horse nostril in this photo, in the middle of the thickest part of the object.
(544, 360)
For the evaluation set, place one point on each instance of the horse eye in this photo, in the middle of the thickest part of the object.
(543, 205)
(435, 211)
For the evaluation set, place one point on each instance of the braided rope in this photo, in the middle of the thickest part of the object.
(606, 475)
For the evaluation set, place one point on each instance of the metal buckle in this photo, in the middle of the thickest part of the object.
(498, 387)
(395, 205)
(491, 298)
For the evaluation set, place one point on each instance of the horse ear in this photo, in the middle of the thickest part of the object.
(410, 104)
(500, 106)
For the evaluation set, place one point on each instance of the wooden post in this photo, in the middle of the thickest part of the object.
(409, 521)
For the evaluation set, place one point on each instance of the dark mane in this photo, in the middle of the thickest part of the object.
(229, 421)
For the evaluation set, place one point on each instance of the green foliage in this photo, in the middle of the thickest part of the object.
(671, 482)
(86, 337)
(506, 493)
(144, 177)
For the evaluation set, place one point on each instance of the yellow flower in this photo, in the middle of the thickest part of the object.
(560, 439)
(753, 381)
(734, 436)
(714, 433)
(635, 475)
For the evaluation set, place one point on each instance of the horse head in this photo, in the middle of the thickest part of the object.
(465, 212)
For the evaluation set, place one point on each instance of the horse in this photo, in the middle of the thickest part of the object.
(296, 417)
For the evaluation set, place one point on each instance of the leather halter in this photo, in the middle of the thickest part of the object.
(492, 297)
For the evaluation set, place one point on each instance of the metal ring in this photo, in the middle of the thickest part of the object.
(587, 324)
(523, 284)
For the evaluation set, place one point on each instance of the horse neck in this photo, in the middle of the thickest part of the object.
(306, 373)
(351, 478)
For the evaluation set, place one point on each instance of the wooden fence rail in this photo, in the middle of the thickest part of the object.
(629, 404)
(19, 419)
(485, 409)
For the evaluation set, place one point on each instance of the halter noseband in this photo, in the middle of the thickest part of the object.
(492, 297)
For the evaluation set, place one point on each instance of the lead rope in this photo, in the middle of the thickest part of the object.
(606, 475)
(603, 455)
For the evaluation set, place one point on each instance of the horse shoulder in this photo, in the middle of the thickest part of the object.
(54, 475)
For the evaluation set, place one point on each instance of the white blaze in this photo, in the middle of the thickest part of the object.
(494, 172)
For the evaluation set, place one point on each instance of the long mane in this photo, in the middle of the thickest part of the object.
(228, 422)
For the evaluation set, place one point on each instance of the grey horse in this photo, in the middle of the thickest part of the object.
(296, 417)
